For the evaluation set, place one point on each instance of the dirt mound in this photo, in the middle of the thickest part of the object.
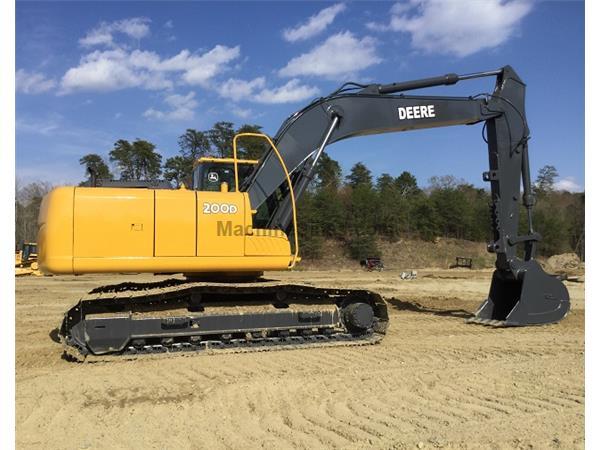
(566, 262)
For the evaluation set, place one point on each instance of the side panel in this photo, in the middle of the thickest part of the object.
(175, 226)
(111, 222)
(221, 223)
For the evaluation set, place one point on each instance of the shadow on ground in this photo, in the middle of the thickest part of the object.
(404, 305)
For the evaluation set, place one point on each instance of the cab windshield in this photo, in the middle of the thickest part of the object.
(208, 176)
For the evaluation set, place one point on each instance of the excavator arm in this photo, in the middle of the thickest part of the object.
(521, 292)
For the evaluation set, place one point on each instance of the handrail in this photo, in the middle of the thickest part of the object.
(287, 176)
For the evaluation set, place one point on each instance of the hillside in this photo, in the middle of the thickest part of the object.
(406, 254)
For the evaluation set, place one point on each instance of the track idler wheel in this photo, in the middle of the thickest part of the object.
(358, 317)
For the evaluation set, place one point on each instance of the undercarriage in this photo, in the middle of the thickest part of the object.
(176, 315)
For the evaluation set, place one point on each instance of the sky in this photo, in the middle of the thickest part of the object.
(90, 73)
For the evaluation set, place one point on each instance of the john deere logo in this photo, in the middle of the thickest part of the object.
(213, 177)
(416, 112)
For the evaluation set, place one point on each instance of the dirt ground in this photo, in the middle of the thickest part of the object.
(434, 381)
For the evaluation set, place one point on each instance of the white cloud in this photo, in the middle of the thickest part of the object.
(135, 27)
(115, 69)
(314, 25)
(237, 90)
(108, 71)
(568, 184)
(292, 91)
(204, 67)
(241, 112)
(180, 107)
(340, 54)
(255, 90)
(98, 36)
(456, 27)
(32, 82)
(117, 66)
(401, 8)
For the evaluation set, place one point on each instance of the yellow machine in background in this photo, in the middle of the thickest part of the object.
(26, 260)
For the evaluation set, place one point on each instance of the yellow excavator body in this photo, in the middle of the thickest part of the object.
(204, 230)
(91, 230)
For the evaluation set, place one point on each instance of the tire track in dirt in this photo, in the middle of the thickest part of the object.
(431, 379)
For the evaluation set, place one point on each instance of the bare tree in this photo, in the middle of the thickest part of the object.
(28, 199)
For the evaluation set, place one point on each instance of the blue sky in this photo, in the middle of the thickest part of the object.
(90, 73)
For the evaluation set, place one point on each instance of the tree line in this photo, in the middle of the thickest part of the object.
(359, 210)
(364, 212)
(139, 160)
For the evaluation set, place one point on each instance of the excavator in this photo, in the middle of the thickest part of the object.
(238, 220)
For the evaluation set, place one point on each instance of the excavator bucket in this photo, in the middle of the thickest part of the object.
(532, 298)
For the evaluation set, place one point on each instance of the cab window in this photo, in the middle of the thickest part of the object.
(208, 177)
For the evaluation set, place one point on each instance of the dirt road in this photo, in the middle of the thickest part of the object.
(434, 381)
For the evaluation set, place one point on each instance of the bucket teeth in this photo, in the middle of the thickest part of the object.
(487, 322)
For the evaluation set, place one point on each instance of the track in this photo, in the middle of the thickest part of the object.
(221, 348)
(176, 316)
(432, 380)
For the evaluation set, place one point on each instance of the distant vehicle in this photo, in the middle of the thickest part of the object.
(461, 261)
(410, 275)
(371, 264)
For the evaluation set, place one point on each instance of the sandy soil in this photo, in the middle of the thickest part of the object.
(434, 381)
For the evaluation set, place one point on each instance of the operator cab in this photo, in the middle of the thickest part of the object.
(210, 173)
